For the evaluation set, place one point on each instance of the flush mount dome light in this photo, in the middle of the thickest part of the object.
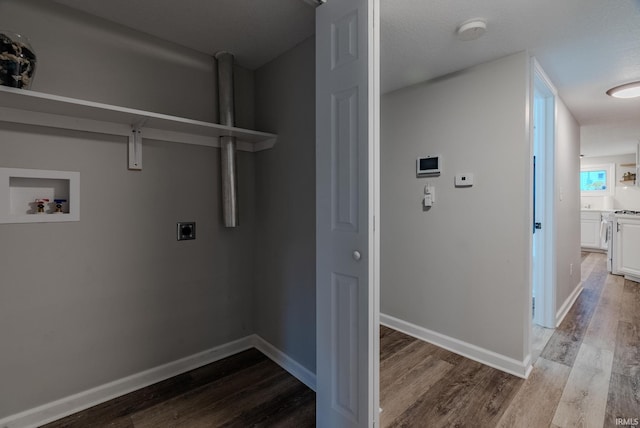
(629, 90)
(472, 29)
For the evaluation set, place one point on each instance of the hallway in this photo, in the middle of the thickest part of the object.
(587, 375)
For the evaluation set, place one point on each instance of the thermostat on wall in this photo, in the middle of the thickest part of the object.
(429, 165)
(464, 180)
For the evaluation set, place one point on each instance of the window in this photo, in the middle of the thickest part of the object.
(595, 180)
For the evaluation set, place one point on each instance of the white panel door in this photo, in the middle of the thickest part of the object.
(347, 98)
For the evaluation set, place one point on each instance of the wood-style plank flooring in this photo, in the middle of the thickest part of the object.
(244, 390)
(586, 374)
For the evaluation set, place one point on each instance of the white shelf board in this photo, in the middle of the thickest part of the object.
(37, 108)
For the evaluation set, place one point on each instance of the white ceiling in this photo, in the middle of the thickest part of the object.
(585, 46)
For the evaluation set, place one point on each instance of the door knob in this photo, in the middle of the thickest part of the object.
(356, 255)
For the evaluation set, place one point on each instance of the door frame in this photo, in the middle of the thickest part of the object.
(544, 268)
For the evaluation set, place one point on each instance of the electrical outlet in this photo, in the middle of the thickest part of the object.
(186, 230)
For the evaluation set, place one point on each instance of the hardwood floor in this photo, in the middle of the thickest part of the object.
(587, 375)
(245, 390)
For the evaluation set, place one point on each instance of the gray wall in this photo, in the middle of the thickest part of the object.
(89, 302)
(84, 57)
(284, 294)
(462, 268)
(567, 205)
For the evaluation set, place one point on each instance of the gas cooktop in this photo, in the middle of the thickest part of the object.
(627, 212)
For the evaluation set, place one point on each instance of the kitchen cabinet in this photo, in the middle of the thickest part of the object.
(628, 174)
(590, 229)
(628, 245)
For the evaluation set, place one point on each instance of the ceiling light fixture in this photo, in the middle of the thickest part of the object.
(472, 29)
(629, 90)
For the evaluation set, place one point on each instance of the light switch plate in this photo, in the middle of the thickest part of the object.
(186, 230)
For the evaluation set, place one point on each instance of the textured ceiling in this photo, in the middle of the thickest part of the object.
(585, 46)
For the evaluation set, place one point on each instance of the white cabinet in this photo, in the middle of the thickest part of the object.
(628, 245)
(590, 229)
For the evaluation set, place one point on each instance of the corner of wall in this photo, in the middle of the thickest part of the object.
(468, 350)
(284, 284)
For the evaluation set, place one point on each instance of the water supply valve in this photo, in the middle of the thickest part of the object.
(40, 204)
(59, 203)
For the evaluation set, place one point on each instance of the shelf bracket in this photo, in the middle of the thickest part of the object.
(135, 148)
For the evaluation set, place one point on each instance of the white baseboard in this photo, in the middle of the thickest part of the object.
(473, 352)
(593, 250)
(303, 374)
(564, 309)
(632, 278)
(69, 405)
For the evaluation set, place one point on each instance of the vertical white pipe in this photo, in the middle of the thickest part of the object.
(228, 160)
(225, 88)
